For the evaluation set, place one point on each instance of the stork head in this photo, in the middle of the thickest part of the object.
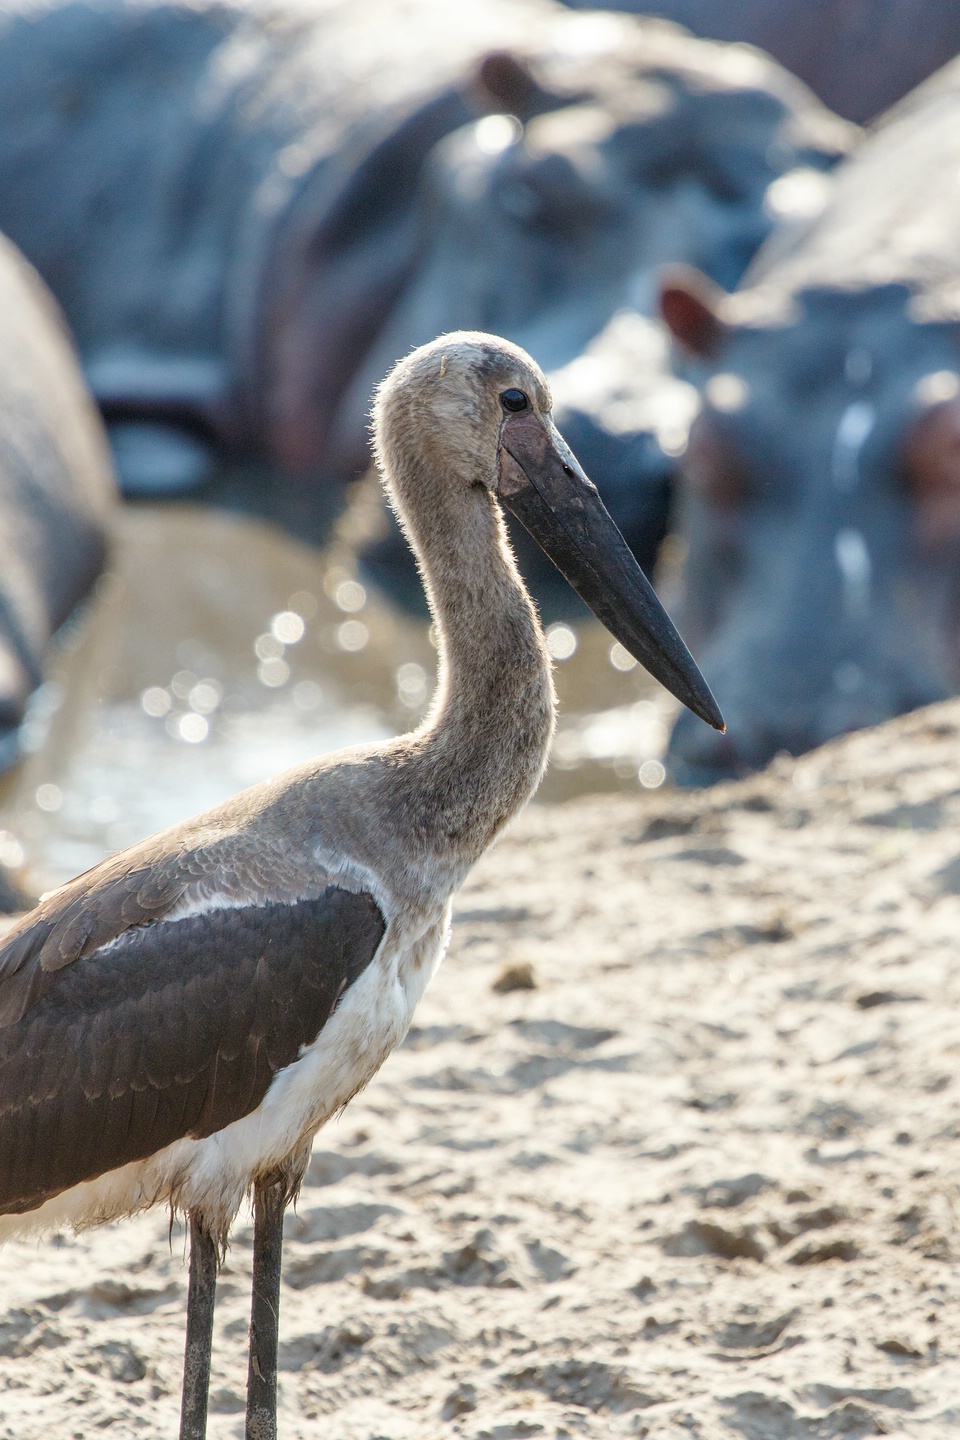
(472, 412)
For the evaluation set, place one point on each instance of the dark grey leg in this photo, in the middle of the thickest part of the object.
(196, 1360)
(269, 1203)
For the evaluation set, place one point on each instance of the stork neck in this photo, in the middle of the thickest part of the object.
(484, 745)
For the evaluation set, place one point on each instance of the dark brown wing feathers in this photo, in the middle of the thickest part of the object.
(175, 1029)
(137, 887)
(78, 919)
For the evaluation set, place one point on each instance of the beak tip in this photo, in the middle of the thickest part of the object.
(710, 712)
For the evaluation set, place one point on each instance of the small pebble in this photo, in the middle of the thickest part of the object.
(515, 977)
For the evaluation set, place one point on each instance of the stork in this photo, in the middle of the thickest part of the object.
(177, 1023)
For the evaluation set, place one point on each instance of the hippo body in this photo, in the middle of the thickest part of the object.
(821, 489)
(272, 206)
(56, 487)
(860, 58)
(212, 162)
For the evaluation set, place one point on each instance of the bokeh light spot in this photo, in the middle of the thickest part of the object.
(268, 647)
(411, 684)
(620, 658)
(652, 774)
(156, 701)
(352, 636)
(205, 697)
(288, 627)
(495, 133)
(11, 851)
(350, 596)
(273, 672)
(193, 728)
(561, 641)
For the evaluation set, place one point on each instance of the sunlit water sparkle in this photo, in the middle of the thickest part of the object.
(217, 653)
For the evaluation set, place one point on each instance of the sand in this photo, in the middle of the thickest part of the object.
(699, 1181)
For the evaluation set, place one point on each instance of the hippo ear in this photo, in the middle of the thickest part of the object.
(502, 85)
(931, 462)
(690, 307)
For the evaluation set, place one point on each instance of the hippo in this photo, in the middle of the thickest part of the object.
(248, 214)
(698, 153)
(57, 491)
(820, 495)
(859, 58)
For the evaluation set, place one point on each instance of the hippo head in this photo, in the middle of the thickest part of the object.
(542, 232)
(546, 229)
(546, 232)
(820, 510)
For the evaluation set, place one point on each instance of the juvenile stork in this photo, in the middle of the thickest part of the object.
(177, 1023)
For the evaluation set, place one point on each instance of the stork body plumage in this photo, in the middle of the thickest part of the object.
(176, 1024)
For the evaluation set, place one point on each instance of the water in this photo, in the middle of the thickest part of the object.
(217, 652)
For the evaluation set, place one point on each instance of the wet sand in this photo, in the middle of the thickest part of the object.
(699, 1181)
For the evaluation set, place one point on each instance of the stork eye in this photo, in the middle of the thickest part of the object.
(514, 401)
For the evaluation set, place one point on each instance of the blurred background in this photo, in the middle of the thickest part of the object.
(215, 651)
(246, 213)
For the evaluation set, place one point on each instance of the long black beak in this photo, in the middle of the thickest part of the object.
(544, 486)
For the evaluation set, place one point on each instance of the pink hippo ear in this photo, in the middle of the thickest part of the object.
(690, 306)
(503, 84)
(931, 459)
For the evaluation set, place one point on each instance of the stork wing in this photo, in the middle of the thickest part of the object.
(121, 1040)
(209, 860)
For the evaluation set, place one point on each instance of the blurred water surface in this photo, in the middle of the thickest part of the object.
(217, 652)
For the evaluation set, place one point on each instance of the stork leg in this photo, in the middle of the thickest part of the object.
(269, 1203)
(196, 1361)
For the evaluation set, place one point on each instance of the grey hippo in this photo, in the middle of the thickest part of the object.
(249, 214)
(821, 494)
(57, 489)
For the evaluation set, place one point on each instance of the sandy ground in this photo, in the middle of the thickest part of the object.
(700, 1181)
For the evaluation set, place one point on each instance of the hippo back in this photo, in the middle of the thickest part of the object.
(56, 485)
(249, 213)
(148, 152)
(893, 213)
(855, 57)
(228, 201)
